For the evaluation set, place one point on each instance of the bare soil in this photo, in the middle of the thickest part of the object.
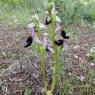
(17, 71)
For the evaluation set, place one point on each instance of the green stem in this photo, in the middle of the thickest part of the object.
(43, 68)
(55, 72)
(56, 54)
(44, 74)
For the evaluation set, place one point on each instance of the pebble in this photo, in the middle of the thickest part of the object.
(88, 55)
(81, 78)
(92, 64)
(75, 56)
(4, 54)
(76, 48)
(16, 34)
(15, 20)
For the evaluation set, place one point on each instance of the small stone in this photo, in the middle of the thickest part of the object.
(16, 34)
(4, 54)
(1, 40)
(46, 34)
(88, 55)
(75, 56)
(85, 45)
(80, 59)
(15, 20)
(92, 50)
(81, 78)
(70, 74)
(92, 64)
(76, 48)
(36, 66)
(35, 76)
(41, 89)
(94, 25)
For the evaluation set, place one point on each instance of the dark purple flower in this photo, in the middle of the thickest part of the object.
(30, 38)
(59, 42)
(63, 33)
(28, 42)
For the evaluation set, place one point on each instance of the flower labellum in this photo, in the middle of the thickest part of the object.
(30, 38)
(59, 42)
(63, 33)
(28, 42)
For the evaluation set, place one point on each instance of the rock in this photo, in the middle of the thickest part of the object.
(76, 48)
(16, 34)
(35, 75)
(70, 74)
(88, 55)
(1, 40)
(75, 56)
(58, 19)
(93, 26)
(92, 50)
(86, 45)
(92, 64)
(81, 78)
(15, 20)
(41, 90)
(4, 54)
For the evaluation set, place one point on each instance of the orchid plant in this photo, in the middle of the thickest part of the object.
(57, 44)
